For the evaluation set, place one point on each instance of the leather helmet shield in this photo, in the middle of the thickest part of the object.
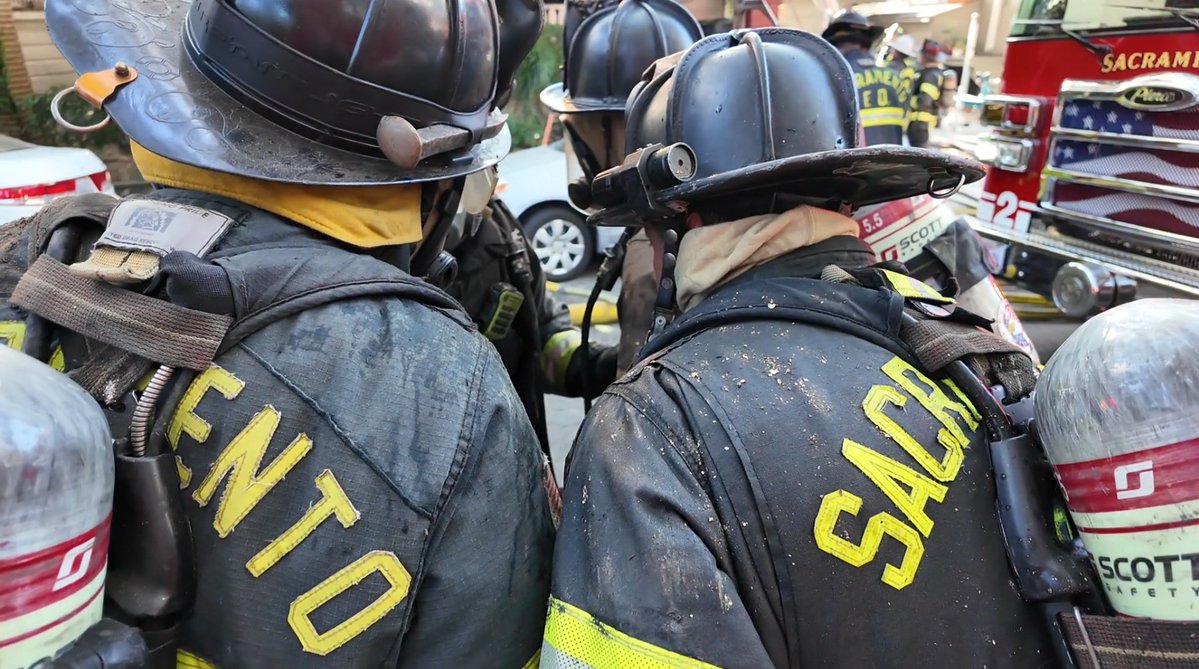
(611, 48)
(794, 130)
(311, 119)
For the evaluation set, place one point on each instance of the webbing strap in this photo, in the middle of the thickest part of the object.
(1131, 643)
(938, 343)
(145, 326)
(383, 286)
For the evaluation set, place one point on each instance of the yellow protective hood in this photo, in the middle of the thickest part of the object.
(363, 216)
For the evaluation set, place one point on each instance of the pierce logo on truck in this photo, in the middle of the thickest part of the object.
(1157, 98)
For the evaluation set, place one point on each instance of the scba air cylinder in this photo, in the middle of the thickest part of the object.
(56, 485)
(1118, 412)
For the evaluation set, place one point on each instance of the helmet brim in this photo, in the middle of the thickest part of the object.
(859, 177)
(874, 32)
(173, 110)
(557, 99)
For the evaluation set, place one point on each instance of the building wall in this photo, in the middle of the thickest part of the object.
(950, 27)
(48, 70)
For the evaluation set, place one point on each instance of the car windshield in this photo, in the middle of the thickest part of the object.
(1044, 18)
(12, 144)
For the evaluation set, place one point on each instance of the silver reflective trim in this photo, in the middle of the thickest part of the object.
(1138, 141)
(1166, 241)
(1157, 272)
(1119, 184)
(552, 658)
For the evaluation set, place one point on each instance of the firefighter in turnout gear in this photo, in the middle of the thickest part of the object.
(901, 57)
(496, 276)
(882, 94)
(321, 461)
(501, 284)
(929, 92)
(590, 102)
(781, 481)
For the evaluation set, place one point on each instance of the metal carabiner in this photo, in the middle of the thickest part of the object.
(945, 194)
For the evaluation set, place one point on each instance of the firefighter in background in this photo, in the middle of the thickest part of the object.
(501, 284)
(779, 482)
(881, 90)
(901, 57)
(931, 94)
(497, 278)
(591, 100)
(362, 485)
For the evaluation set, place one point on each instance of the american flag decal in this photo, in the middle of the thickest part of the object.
(1136, 170)
(1112, 117)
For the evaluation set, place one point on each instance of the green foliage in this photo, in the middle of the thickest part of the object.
(37, 125)
(41, 128)
(543, 66)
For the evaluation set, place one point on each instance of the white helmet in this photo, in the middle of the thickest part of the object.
(904, 44)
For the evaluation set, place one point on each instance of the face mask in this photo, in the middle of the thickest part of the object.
(477, 191)
(476, 194)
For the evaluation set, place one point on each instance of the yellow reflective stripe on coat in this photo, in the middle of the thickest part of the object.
(186, 660)
(12, 335)
(574, 639)
(556, 356)
(931, 90)
(880, 116)
(534, 661)
(913, 289)
(924, 117)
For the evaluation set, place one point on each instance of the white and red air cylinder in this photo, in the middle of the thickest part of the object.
(1118, 413)
(56, 486)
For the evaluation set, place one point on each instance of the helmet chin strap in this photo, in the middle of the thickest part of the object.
(589, 161)
(667, 286)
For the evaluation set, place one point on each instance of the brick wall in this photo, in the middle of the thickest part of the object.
(48, 70)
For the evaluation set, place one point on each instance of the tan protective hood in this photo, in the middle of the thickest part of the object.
(713, 255)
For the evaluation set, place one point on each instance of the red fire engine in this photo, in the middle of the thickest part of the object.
(1094, 150)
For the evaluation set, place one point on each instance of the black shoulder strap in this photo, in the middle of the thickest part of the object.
(870, 305)
(137, 331)
(850, 309)
(387, 282)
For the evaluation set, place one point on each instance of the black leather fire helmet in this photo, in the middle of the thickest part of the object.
(772, 118)
(294, 90)
(611, 48)
(850, 25)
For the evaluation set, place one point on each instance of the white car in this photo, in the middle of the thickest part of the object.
(32, 175)
(535, 190)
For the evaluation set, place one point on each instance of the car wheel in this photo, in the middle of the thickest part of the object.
(562, 241)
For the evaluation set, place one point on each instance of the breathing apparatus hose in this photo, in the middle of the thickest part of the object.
(1046, 574)
(441, 216)
(605, 279)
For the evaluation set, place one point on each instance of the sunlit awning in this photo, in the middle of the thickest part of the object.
(907, 11)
